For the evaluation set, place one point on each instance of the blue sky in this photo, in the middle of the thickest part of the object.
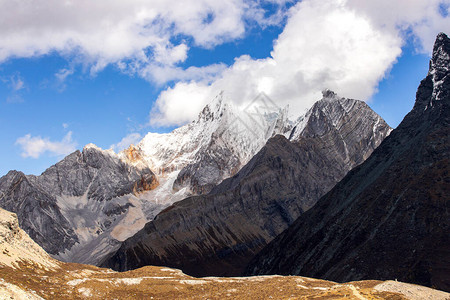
(61, 89)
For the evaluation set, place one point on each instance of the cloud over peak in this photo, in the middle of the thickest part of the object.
(345, 45)
(35, 146)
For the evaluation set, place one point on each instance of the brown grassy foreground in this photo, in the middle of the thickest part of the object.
(74, 281)
(28, 272)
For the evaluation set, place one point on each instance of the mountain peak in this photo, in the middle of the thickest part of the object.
(438, 74)
(440, 61)
(92, 146)
(214, 109)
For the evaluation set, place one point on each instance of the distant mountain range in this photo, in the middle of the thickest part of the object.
(218, 233)
(82, 208)
(390, 216)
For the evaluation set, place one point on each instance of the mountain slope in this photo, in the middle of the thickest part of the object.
(98, 198)
(27, 272)
(390, 216)
(217, 234)
(17, 248)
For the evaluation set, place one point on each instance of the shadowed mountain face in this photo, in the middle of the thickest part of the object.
(218, 233)
(390, 216)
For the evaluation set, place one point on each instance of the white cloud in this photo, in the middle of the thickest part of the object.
(61, 77)
(345, 45)
(16, 82)
(16, 85)
(422, 18)
(35, 146)
(133, 33)
(132, 138)
(163, 74)
(62, 74)
(179, 105)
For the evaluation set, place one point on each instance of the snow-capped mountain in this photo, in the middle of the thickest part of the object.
(81, 208)
(194, 158)
(218, 233)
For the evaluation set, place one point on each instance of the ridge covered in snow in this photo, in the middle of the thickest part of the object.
(199, 155)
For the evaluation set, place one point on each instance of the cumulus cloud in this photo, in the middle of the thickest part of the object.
(133, 33)
(132, 138)
(35, 146)
(423, 19)
(179, 105)
(163, 74)
(345, 45)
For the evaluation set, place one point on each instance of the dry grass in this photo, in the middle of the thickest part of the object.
(74, 281)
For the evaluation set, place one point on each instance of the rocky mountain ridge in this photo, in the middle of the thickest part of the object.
(223, 138)
(216, 234)
(99, 198)
(78, 200)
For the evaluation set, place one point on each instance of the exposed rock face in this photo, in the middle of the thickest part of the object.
(76, 200)
(98, 198)
(218, 233)
(390, 216)
(38, 212)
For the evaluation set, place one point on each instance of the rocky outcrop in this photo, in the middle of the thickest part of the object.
(218, 233)
(390, 216)
(76, 200)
